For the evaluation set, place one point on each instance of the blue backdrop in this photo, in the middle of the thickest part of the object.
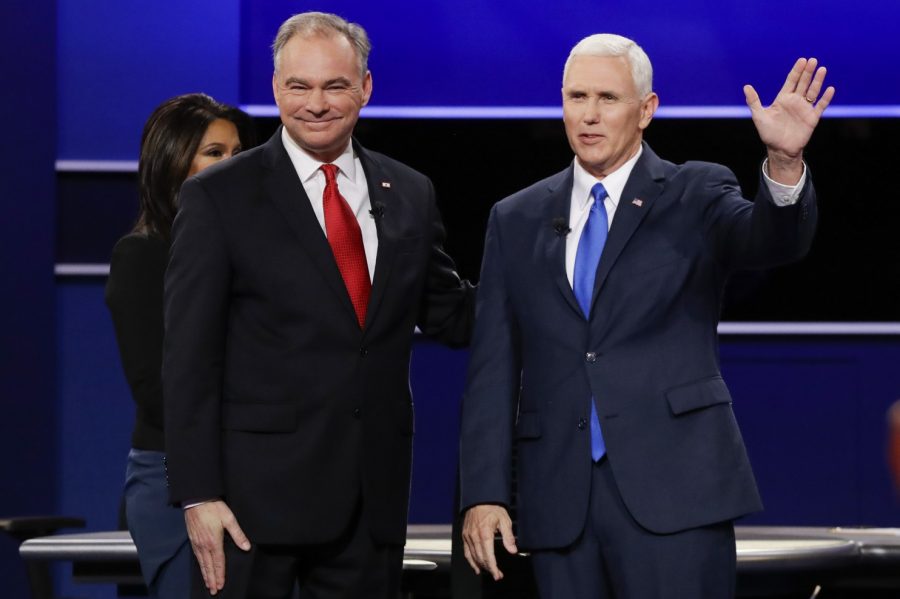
(80, 78)
(511, 53)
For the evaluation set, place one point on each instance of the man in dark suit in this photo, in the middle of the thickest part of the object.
(602, 370)
(298, 274)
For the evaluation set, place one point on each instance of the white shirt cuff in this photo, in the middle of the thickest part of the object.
(783, 195)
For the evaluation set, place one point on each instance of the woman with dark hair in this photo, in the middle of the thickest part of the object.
(183, 136)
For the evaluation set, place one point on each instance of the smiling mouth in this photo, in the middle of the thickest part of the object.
(318, 124)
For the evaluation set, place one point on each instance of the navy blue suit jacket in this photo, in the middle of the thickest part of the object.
(648, 353)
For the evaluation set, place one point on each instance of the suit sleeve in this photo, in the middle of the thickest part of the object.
(447, 310)
(196, 310)
(757, 234)
(492, 388)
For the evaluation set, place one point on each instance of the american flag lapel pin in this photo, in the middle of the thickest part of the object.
(386, 184)
(638, 202)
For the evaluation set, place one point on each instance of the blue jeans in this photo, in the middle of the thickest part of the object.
(157, 528)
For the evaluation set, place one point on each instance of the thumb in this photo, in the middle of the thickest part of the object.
(509, 540)
(752, 98)
(237, 535)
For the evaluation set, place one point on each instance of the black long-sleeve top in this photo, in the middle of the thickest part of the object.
(134, 295)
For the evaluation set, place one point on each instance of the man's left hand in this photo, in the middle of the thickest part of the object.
(787, 124)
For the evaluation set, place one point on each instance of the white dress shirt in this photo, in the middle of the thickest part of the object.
(351, 182)
(614, 183)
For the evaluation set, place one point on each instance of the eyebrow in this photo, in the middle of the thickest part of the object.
(341, 80)
(588, 91)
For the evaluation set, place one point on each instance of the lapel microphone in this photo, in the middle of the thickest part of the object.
(377, 210)
(561, 227)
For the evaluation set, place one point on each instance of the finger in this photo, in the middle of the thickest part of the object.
(237, 535)
(218, 566)
(824, 101)
(815, 86)
(806, 76)
(790, 83)
(509, 540)
(752, 99)
(486, 552)
(204, 560)
(468, 555)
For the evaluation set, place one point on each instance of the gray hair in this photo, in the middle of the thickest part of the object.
(609, 44)
(308, 24)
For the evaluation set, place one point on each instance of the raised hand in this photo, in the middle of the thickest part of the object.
(787, 124)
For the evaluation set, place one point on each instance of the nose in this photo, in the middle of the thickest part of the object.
(592, 112)
(317, 102)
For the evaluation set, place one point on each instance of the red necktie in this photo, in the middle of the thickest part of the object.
(345, 239)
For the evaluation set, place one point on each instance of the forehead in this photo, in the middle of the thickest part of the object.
(220, 129)
(318, 55)
(599, 72)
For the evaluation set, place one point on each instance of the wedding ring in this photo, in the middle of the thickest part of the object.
(810, 100)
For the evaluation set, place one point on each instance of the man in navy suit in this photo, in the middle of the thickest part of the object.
(594, 362)
(298, 274)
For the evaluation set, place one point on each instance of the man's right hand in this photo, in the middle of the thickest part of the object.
(479, 526)
(205, 525)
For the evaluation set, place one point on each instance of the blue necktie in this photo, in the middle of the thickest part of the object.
(590, 246)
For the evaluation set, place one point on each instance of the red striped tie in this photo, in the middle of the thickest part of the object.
(345, 239)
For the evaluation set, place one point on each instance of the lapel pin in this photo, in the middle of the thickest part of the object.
(386, 184)
(637, 202)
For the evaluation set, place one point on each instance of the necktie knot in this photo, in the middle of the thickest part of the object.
(599, 193)
(330, 171)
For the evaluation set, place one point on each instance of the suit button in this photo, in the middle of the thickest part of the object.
(582, 423)
(363, 352)
(356, 413)
(590, 357)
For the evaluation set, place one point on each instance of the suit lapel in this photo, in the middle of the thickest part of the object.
(556, 216)
(286, 191)
(643, 187)
(384, 211)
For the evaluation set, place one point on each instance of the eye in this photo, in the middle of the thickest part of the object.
(214, 153)
(577, 96)
(609, 99)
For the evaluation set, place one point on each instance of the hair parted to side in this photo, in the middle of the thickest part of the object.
(610, 44)
(171, 136)
(308, 24)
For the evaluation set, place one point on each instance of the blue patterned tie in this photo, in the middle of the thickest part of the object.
(590, 246)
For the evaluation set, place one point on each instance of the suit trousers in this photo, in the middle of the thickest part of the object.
(351, 567)
(616, 558)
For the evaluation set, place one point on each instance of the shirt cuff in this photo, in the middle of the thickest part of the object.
(783, 195)
(189, 504)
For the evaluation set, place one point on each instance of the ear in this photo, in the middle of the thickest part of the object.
(648, 108)
(367, 88)
(275, 86)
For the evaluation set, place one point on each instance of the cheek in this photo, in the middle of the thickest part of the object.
(200, 163)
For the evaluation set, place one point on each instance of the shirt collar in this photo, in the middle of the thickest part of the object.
(307, 166)
(614, 183)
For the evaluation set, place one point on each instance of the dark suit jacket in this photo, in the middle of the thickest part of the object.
(275, 400)
(648, 352)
